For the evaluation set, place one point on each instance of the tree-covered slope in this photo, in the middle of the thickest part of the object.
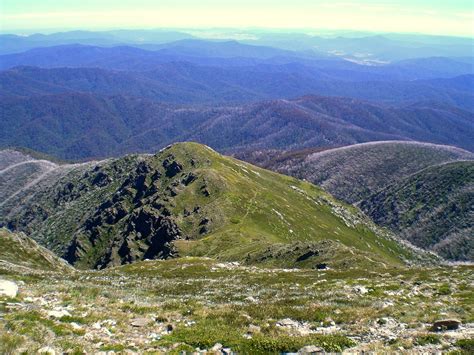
(433, 209)
(353, 173)
(189, 200)
(89, 126)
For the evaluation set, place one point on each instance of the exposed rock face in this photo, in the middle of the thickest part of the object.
(138, 213)
(172, 167)
(112, 212)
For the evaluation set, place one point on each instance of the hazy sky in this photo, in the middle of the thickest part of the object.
(448, 17)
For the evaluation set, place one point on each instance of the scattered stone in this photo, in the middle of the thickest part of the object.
(321, 266)
(387, 303)
(287, 323)
(362, 290)
(310, 349)
(109, 322)
(47, 350)
(254, 329)
(217, 347)
(76, 326)
(251, 299)
(58, 313)
(388, 322)
(445, 324)
(8, 288)
(140, 322)
(154, 336)
(246, 316)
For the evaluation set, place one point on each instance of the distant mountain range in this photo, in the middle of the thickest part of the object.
(232, 54)
(80, 126)
(423, 192)
(362, 47)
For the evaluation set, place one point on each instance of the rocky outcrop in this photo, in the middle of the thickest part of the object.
(137, 215)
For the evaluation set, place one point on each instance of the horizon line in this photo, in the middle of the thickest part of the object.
(301, 30)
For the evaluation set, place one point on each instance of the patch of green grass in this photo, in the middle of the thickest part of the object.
(113, 347)
(466, 345)
(139, 309)
(444, 289)
(71, 347)
(32, 324)
(423, 340)
(208, 332)
(280, 344)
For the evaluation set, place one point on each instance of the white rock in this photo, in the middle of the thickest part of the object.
(253, 329)
(217, 347)
(110, 322)
(289, 323)
(8, 288)
(389, 322)
(154, 336)
(76, 326)
(47, 350)
(361, 289)
(310, 349)
(140, 322)
(58, 313)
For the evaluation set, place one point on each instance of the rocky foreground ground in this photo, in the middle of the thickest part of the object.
(202, 305)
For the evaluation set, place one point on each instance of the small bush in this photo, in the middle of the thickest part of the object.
(9, 343)
(444, 290)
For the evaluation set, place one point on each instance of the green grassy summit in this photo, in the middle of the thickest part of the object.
(189, 200)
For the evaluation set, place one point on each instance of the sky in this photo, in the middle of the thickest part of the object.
(444, 17)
